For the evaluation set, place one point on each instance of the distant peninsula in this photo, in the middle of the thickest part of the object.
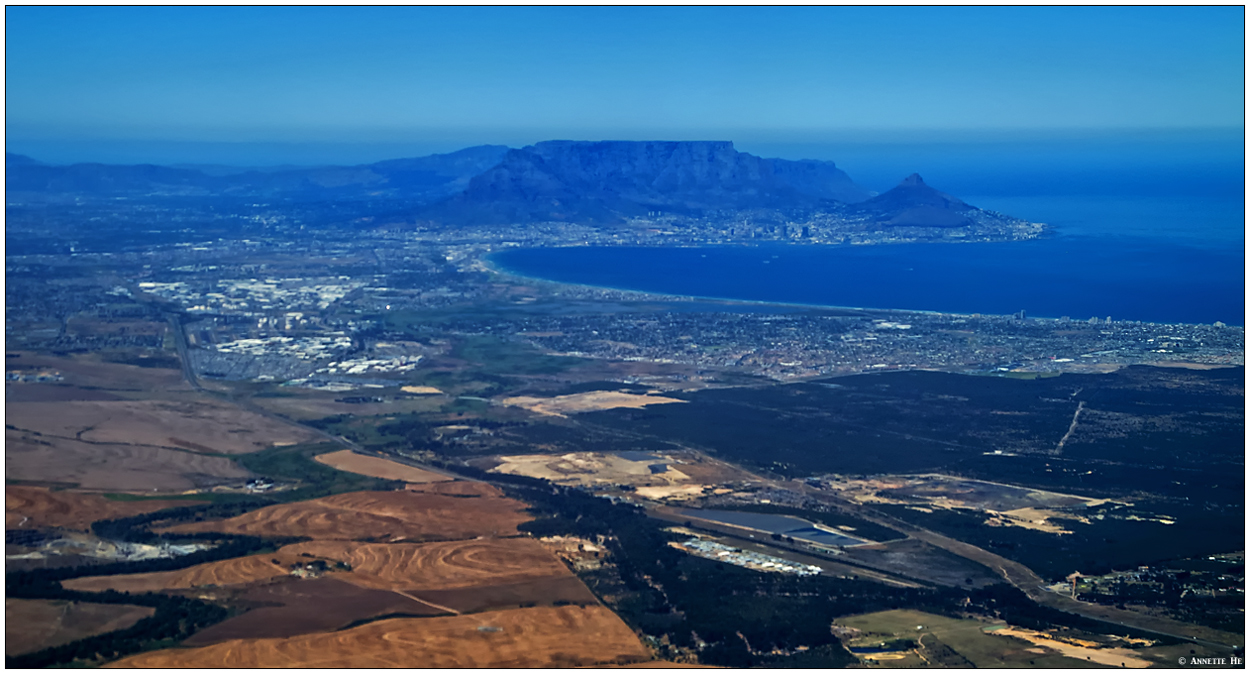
(562, 192)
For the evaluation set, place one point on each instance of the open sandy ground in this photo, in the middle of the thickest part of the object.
(372, 466)
(590, 401)
(587, 468)
(532, 637)
(1112, 657)
(40, 507)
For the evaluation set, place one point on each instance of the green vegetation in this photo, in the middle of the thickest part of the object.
(493, 355)
(294, 463)
(672, 596)
(176, 618)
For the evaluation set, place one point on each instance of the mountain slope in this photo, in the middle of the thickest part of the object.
(912, 203)
(606, 180)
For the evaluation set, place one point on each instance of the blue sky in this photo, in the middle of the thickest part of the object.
(388, 80)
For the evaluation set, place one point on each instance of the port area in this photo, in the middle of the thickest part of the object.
(742, 539)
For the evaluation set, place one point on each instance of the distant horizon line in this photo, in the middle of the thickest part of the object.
(68, 149)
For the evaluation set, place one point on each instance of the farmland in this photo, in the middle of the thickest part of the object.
(195, 424)
(237, 571)
(31, 625)
(372, 466)
(382, 516)
(532, 637)
(40, 507)
(111, 467)
(442, 565)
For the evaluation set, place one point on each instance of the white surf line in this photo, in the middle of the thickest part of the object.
(1077, 415)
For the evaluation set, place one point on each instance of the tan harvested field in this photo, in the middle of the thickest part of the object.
(457, 488)
(378, 516)
(449, 564)
(112, 467)
(590, 401)
(200, 424)
(372, 466)
(40, 507)
(237, 571)
(35, 624)
(561, 636)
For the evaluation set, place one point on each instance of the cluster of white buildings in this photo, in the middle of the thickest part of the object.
(369, 365)
(304, 348)
(745, 558)
(247, 296)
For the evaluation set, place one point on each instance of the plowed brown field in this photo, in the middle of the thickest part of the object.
(294, 607)
(35, 624)
(237, 571)
(37, 507)
(196, 424)
(368, 515)
(534, 637)
(438, 565)
(112, 467)
(372, 466)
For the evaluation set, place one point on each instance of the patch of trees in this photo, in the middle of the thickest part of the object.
(1095, 548)
(176, 617)
(743, 615)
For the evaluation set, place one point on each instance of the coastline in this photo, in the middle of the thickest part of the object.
(489, 263)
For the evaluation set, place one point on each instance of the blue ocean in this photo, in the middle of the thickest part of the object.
(1144, 231)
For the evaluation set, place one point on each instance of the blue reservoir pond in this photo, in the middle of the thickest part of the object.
(1143, 279)
(784, 525)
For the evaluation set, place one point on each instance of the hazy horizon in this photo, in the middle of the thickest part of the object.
(320, 85)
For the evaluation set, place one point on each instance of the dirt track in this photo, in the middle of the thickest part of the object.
(534, 637)
(378, 516)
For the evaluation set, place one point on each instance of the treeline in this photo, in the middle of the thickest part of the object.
(175, 619)
(46, 583)
(741, 616)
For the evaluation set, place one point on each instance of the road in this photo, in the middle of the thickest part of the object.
(1033, 586)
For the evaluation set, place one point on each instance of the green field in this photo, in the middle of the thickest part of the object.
(950, 642)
